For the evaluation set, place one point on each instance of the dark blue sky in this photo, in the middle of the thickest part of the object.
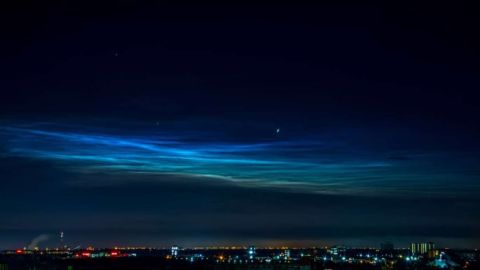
(156, 124)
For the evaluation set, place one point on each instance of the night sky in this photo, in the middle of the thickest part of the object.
(159, 124)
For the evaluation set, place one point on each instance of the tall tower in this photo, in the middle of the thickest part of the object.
(62, 245)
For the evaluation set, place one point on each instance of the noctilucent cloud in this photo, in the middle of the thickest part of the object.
(210, 186)
(319, 164)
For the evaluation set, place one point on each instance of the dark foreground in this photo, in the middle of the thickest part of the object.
(160, 264)
(336, 257)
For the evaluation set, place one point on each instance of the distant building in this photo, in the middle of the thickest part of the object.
(251, 252)
(433, 253)
(421, 248)
(174, 251)
(337, 250)
(287, 254)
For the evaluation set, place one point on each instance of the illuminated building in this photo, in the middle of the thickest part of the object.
(337, 250)
(251, 252)
(174, 251)
(421, 248)
(287, 254)
(433, 253)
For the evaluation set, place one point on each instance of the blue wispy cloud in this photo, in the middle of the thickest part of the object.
(298, 165)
